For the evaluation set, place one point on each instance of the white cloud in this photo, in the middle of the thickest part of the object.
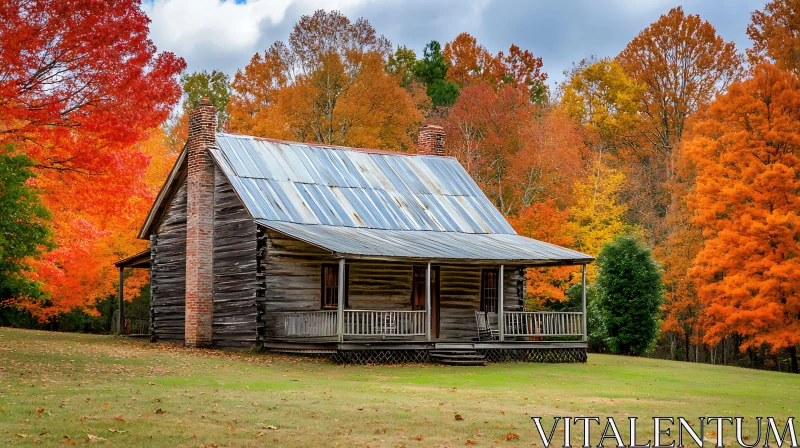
(224, 34)
(184, 26)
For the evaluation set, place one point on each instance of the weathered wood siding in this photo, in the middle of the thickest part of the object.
(168, 272)
(460, 294)
(235, 314)
(380, 285)
(291, 277)
(290, 281)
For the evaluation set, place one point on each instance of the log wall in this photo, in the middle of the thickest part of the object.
(168, 272)
(235, 315)
(461, 297)
(290, 277)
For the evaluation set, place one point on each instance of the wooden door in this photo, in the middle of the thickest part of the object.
(418, 295)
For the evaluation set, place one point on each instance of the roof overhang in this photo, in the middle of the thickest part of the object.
(441, 247)
(140, 260)
(167, 190)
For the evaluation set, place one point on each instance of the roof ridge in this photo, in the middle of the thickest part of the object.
(335, 147)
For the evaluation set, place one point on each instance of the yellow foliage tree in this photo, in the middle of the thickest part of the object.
(596, 217)
(602, 98)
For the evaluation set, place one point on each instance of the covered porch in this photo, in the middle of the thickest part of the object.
(355, 288)
(478, 314)
(122, 324)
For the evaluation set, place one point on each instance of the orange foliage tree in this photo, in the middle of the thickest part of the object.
(513, 148)
(545, 221)
(747, 155)
(775, 33)
(327, 85)
(482, 133)
(551, 157)
(683, 312)
(518, 152)
(80, 85)
(683, 63)
(472, 63)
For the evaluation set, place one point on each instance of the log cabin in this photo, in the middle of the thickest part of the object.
(357, 254)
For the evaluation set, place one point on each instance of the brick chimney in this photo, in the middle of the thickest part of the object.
(199, 224)
(430, 140)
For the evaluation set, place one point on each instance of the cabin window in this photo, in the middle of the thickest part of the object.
(330, 286)
(489, 288)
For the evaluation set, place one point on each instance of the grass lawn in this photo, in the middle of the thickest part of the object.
(58, 389)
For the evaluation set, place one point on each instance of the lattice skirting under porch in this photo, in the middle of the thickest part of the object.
(550, 355)
(379, 356)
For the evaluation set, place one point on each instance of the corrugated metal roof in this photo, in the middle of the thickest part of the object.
(377, 243)
(373, 203)
(310, 184)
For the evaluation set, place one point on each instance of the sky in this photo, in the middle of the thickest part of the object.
(224, 35)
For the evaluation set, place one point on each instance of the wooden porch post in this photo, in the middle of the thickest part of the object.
(583, 298)
(500, 310)
(121, 320)
(340, 300)
(428, 303)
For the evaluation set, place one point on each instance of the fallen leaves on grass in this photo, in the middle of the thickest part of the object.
(93, 438)
(458, 417)
(471, 442)
(119, 418)
(512, 436)
(120, 431)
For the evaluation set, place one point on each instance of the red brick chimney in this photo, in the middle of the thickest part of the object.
(199, 224)
(430, 140)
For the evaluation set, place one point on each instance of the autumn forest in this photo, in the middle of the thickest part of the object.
(682, 141)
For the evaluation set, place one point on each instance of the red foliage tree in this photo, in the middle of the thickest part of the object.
(80, 85)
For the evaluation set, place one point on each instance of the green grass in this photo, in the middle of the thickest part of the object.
(57, 388)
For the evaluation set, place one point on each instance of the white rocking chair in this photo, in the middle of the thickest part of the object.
(485, 330)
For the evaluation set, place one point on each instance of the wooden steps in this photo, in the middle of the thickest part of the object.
(458, 357)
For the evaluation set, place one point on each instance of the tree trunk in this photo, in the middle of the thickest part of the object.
(672, 346)
(793, 356)
(724, 359)
(686, 344)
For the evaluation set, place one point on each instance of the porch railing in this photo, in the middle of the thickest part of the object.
(384, 323)
(405, 323)
(309, 324)
(543, 323)
(317, 324)
(133, 326)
